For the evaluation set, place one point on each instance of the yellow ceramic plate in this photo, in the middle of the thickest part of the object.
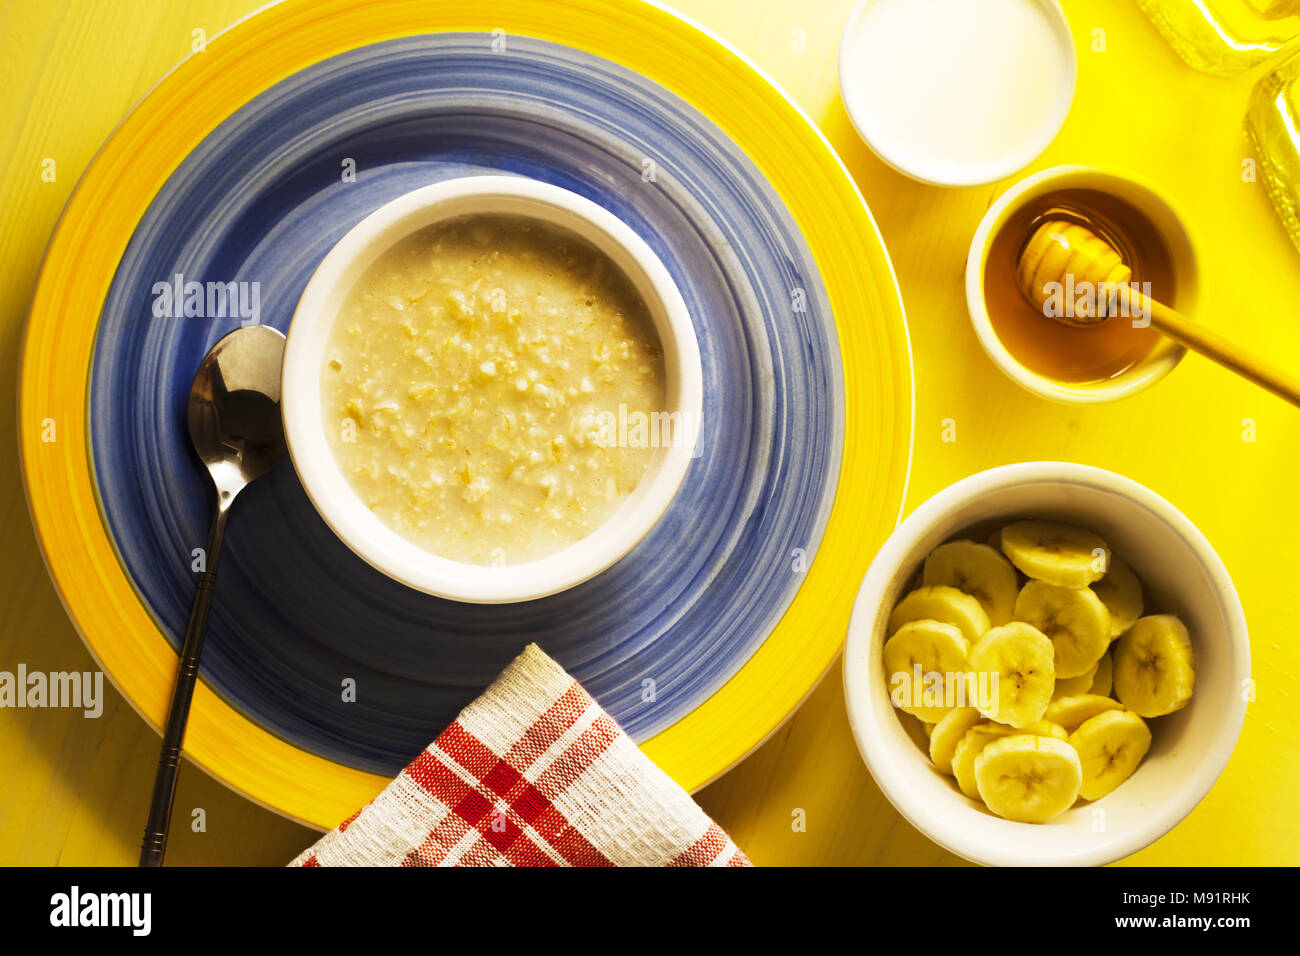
(256, 54)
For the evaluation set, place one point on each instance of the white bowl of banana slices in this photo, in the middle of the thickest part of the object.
(1047, 664)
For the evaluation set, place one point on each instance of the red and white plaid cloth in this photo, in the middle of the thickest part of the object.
(532, 773)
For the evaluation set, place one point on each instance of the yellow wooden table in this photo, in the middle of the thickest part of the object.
(74, 790)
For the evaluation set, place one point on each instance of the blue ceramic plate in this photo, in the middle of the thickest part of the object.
(296, 614)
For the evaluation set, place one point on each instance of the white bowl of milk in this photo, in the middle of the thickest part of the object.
(957, 92)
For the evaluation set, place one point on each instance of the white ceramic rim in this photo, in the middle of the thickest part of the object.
(861, 683)
(358, 527)
(1163, 359)
(976, 174)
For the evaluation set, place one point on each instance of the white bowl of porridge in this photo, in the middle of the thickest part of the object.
(492, 389)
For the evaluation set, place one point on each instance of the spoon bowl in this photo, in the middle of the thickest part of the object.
(234, 408)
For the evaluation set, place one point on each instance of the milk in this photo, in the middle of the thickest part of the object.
(951, 90)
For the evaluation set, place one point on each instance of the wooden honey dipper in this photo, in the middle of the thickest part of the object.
(1070, 253)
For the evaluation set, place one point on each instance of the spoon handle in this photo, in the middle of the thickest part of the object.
(1217, 348)
(164, 785)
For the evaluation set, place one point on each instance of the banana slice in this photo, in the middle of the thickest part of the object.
(942, 603)
(926, 664)
(1071, 712)
(948, 733)
(1027, 778)
(969, 748)
(978, 570)
(1045, 728)
(1059, 554)
(1102, 678)
(1074, 619)
(1154, 670)
(1121, 592)
(1069, 686)
(1012, 674)
(1110, 747)
(994, 540)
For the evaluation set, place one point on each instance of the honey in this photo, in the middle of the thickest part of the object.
(1075, 355)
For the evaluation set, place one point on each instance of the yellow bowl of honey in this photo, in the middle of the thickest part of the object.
(1077, 363)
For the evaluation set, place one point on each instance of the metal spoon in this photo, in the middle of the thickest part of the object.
(234, 417)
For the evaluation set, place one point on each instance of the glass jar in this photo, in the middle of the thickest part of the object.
(1273, 125)
(1226, 36)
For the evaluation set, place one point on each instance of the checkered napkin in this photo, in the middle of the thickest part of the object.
(532, 773)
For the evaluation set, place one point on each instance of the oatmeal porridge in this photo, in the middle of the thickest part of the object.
(469, 382)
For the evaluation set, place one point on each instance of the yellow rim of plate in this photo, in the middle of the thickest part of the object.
(280, 40)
